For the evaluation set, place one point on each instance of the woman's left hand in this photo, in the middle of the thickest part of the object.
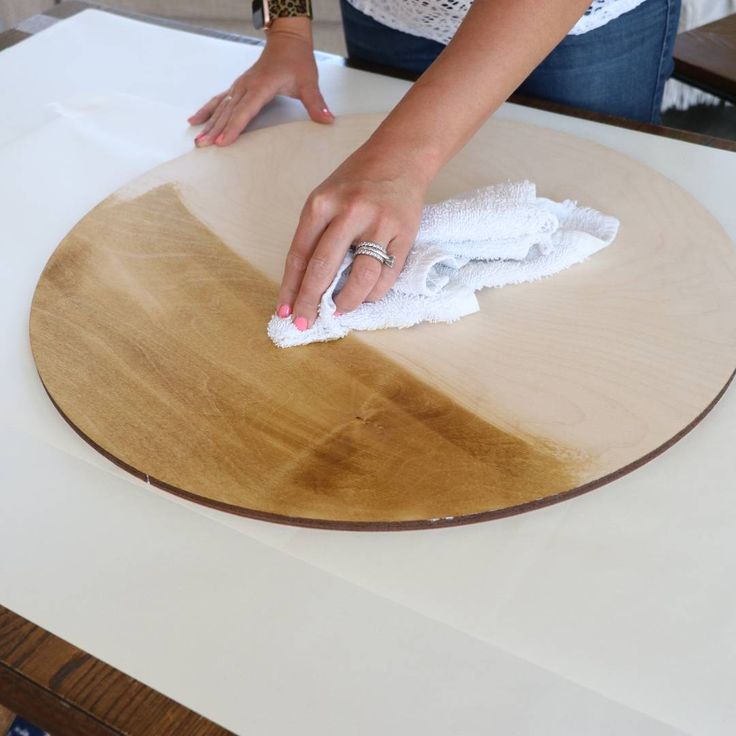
(373, 195)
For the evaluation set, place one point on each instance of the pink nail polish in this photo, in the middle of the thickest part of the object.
(327, 112)
(220, 138)
(337, 314)
(284, 310)
(301, 323)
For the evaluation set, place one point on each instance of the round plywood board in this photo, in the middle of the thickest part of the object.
(148, 328)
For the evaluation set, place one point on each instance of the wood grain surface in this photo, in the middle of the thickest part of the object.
(6, 718)
(68, 692)
(148, 331)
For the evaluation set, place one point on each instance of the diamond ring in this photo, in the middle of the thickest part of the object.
(374, 250)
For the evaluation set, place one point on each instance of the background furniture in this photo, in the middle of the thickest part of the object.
(705, 57)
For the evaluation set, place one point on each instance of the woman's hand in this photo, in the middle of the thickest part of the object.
(375, 195)
(286, 67)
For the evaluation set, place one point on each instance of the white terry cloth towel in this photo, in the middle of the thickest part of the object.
(491, 236)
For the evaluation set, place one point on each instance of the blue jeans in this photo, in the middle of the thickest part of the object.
(618, 69)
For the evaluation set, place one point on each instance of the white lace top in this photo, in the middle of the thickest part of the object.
(439, 19)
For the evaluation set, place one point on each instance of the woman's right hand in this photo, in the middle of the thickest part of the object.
(285, 67)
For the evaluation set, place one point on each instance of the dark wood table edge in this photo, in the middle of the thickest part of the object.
(68, 692)
(662, 131)
(688, 74)
(46, 703)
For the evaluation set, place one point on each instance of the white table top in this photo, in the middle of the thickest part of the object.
(609, 613)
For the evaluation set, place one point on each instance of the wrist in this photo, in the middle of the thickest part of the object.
(382, 160)
(297, 26)
(406, 153)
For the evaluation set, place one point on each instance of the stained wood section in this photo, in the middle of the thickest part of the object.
(6, 718)
(148, 330)
(149, 334)
(68, 692)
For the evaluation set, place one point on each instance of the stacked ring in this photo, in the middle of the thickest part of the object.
(374, 250)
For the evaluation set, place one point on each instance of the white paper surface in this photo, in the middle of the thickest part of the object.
(610, 613)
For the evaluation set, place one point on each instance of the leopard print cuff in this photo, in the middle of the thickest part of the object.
(289, 8)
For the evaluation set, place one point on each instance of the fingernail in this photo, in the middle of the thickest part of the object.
(325, 111)
(220, 138)
(200, 140)
(337, 314)
(301, 323)
(284, 310)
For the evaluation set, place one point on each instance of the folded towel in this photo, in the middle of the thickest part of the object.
(491, 236)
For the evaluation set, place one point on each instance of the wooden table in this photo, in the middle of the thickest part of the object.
(66, 690)
(705, 57)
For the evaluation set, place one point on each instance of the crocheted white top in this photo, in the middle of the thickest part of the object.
(439, 19)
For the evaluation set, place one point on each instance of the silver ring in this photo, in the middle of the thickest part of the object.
(227, 98)
(374, 250)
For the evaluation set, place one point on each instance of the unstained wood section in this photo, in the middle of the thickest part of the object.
(148, 329)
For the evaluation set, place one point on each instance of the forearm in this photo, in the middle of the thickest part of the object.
(497, 45)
